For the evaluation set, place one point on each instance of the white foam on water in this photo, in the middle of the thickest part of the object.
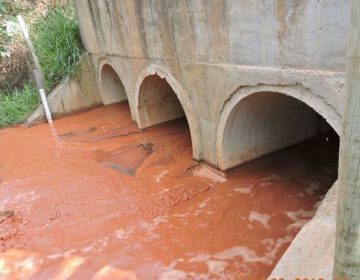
(310, 190)
(161, 175)
(216, 267)
(174, 274)
(204, 203)
(261, 218)
(243, 190)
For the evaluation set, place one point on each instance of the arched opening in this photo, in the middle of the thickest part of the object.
(157, 102)
(266, 122)
(288, 159)
(112, 89)
(160, 98)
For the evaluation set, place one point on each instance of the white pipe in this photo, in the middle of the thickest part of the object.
(45, 105)
(28, 40)
(40, 86)
(37, 73)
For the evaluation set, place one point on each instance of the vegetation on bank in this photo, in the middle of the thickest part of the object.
(57, 43)
(55, 34)
(16, 104)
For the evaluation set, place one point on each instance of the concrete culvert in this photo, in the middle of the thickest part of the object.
(112, 89)
(266, 122)
(158, 102)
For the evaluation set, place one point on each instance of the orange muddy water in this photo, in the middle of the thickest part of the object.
(99, 199)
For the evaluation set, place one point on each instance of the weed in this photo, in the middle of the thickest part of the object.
(57, 43)
(16, 104)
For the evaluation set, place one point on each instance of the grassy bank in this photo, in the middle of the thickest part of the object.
(57, 43)
(16, 104)
(55, 34)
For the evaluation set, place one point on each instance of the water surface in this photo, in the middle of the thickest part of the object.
(96, 198)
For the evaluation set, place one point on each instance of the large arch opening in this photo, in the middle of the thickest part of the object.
(266, 122)
(157, 103)
(112, 89)
(284, 154)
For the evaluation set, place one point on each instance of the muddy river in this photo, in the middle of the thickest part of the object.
(96, 198)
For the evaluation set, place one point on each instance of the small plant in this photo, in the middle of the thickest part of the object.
(2, 7)
(3, 52)
(57, 43)
(16, 105)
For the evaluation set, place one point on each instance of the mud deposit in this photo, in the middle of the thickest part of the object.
(98, 199)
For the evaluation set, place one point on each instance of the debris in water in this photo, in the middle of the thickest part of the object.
(6, 214)
(147, 147)
(76, 133)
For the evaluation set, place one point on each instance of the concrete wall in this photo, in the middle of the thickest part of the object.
(74, 93)
(214, 54)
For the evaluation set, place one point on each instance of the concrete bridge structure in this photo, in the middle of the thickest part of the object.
(251, 77)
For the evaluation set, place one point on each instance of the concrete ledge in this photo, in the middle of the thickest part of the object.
(311, 254)
(77, 92)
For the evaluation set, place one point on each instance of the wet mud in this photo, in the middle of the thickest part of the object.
(96, 198)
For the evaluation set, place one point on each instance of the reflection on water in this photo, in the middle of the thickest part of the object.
(103, 200)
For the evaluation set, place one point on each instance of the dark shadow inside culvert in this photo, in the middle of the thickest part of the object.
(266, 122)
(158, 103)
(112, 89)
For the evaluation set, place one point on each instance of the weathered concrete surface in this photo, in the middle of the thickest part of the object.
(219, 57)
(74, 93)
(210, 61)
(311, 254)
(279, 34)
(214, 53)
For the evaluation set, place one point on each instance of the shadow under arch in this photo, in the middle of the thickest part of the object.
(159, 98)
(260, 120)
(112, 89)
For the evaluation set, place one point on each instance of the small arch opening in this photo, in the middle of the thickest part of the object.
(158, 103)
(112, 88)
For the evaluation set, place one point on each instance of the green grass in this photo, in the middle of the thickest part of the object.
(57, 43)
(16, 105)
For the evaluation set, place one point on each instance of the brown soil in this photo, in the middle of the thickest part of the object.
(96, 198)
